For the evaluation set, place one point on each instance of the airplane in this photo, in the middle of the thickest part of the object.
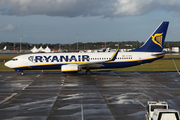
(150, 51)
(5, 48)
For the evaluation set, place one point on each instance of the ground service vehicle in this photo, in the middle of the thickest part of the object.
(159, 110)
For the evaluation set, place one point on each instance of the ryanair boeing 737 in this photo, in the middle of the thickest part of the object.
(74, 62)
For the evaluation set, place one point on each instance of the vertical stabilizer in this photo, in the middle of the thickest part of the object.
(156, 40)
(5, 48)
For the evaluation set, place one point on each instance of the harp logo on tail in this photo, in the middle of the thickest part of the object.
(157, 39)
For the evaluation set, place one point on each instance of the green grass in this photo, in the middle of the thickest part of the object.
(172, 56)
(7, 56)
(4, 68)
(159, 65)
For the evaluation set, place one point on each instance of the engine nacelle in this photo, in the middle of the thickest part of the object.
(71, 68)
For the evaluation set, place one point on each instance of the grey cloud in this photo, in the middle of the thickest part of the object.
(74, 8)
(9, 27)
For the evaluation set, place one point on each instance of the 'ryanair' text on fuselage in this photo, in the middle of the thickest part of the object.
(73, 58)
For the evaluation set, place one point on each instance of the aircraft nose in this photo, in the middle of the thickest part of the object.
(8, 64)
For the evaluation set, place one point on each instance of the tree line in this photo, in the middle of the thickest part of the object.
(84, 46)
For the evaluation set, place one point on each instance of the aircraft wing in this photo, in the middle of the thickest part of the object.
(92, 64)
(159, 54)
(99, 63)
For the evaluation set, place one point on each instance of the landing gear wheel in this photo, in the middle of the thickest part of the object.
(22, 73)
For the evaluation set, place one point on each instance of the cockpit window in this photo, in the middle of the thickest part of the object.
(14, 59)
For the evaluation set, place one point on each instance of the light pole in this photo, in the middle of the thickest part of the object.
(84, 46)
(14, 47)
(118, 41)
(59, 48)
(20, 42)
(77, 41)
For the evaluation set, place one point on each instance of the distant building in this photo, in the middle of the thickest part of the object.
(34, 50)
(47, 50)
(128, 45)
(166, 49)
(122, 50)
(175, 49)
(41, 49)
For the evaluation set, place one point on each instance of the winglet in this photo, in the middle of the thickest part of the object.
(114, 56)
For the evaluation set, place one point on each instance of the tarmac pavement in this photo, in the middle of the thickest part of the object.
(100, 96)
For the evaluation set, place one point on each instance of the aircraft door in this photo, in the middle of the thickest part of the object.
(139, 58)
(29, 61)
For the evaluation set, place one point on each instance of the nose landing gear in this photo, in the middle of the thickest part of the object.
(22, 73)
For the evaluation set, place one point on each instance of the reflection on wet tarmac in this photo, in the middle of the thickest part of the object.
(102, 96)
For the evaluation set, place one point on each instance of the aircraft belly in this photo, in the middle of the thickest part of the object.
(119, 64)
(41, 67)
(126, 63)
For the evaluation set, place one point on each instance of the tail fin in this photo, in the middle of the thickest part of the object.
(156, 40)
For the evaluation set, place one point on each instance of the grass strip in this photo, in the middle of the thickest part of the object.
(7, 56)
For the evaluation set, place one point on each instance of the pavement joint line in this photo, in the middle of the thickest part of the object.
(26, 86)
(140, 103)
(82, 112)
(55, 101)
(103, 98)
(117, 75)
(176, 66)
(38, 75)
(8, 98)
(92, 76)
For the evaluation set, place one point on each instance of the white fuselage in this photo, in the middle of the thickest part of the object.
(55, 60)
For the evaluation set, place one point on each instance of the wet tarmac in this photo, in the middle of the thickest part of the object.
(100, 96)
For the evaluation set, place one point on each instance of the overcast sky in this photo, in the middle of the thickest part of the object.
(59, 21)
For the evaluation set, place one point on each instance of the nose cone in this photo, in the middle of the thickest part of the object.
(8, 64)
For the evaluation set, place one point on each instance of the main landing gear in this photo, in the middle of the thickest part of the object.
(22, 73)
(88, 72)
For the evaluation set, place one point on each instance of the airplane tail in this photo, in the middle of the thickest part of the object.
(5, 48)
(156, 40)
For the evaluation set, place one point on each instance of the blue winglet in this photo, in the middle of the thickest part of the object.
(114, 56)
